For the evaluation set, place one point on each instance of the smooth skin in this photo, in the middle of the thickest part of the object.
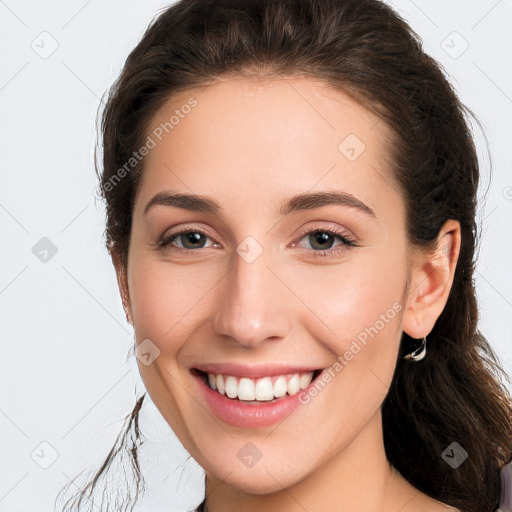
(249, 145)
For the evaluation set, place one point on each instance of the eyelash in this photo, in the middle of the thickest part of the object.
(165, 242)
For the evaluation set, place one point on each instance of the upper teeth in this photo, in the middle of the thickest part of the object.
(263, 389)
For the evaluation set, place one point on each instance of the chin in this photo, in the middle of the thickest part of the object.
(261, 482)
(264, 477)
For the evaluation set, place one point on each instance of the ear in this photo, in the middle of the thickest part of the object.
(431, 279)
(122, 283)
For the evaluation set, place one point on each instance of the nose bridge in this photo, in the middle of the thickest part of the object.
(251, 308)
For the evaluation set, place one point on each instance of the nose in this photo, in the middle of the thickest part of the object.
(251, 307)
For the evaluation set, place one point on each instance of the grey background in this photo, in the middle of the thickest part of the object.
(64, 377)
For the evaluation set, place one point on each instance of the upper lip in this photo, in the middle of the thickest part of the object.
(253, 371)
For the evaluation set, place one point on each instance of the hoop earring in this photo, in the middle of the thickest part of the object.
(419, 352)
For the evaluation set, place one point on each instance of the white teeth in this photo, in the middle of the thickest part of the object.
(305, 380)
(231, 387)
(261, 389)
(219, 382)
(280, 387)
(293, 385)
(246, 389)
(264, 389)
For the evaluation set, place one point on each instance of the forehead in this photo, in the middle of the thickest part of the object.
(251, 142)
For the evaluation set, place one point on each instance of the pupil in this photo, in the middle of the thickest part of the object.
(321, 237)
(192, 238)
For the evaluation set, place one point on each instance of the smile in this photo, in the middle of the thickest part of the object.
(252, 397)
(264, 389)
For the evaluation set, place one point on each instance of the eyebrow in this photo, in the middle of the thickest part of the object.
(304, 201)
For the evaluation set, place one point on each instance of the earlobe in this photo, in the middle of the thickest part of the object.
(431, 279)
(122, 283)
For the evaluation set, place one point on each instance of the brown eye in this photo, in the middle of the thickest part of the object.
(191, 239)
(186, 240)
(321, 240)
(324, 239)
(321, 243)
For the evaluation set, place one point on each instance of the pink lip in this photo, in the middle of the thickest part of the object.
(246, 415)
(253, 371)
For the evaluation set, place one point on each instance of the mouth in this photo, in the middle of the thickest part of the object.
(259, 390)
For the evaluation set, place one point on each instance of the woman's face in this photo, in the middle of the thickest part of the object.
(272, 280)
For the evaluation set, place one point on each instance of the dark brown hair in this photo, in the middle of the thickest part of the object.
(363, 48)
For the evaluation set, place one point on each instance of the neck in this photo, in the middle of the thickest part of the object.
(357, 478)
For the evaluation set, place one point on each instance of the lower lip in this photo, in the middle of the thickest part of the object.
(247, 415)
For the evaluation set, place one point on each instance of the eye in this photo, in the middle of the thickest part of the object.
(185, 240)
(322, 240)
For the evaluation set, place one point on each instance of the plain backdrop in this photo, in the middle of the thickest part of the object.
(65, 383)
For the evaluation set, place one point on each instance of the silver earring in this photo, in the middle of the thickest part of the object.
(419, 352)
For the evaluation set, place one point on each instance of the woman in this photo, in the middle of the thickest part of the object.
(291, 192)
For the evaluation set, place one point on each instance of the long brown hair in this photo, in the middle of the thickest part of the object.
(365, 49)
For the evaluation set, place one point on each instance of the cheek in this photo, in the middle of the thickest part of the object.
(357, 310)
(168, 300)
(346, 299)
